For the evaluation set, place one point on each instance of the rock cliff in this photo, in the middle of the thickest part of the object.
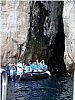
(69, 29)
(14, 31)
(47, 34)
(33, 30)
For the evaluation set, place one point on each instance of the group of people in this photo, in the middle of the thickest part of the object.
(19, 68)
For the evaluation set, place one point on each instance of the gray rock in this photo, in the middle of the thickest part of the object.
(33, 30)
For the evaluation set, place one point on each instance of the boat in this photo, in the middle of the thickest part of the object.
(35, 76)
(32, 71)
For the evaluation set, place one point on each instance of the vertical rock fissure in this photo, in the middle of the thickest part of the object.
(46, 37)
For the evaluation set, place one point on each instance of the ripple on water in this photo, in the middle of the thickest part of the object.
(47, 89)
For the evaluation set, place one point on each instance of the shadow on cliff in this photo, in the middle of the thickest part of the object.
(46, 35)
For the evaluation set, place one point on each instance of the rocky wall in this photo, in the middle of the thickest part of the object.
(33, 30)
(14, 29)
(69, 29)
(46, 35)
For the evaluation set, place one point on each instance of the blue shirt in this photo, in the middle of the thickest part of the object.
(45, 67)
(27, 68)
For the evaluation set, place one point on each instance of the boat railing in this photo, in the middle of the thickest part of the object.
(3, 84)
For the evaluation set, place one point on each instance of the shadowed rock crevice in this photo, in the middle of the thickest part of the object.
(46, 35)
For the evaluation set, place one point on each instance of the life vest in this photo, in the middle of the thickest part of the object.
(45, 67)
(27, 68)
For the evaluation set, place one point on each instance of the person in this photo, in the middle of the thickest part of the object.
(27, 68)
(14, 68)
(44, 67)
(40, 67)
(8, 70)
(19, 69)
(31, 66)
(12, 72)
(23, 67)
(35, 67)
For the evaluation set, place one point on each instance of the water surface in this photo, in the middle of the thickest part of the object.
(47, 89)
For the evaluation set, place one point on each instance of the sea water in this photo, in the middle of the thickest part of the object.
(55, 88)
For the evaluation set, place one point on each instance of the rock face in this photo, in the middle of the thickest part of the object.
(36, 33)
(46, 37)
(69, 29)
(14, 31)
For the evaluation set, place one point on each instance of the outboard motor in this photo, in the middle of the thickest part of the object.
(3, 84)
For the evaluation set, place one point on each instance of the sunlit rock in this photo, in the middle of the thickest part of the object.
(14, 29)
(33, 30)
(69, 29)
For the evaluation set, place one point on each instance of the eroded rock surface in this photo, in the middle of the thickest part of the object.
(15, 17)
(35, 33)
(69, 29)
(47, 34)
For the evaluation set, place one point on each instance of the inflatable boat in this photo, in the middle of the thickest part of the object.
(31, 71)
(35, 76)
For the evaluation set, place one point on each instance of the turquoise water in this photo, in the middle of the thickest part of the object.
(47, 89)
